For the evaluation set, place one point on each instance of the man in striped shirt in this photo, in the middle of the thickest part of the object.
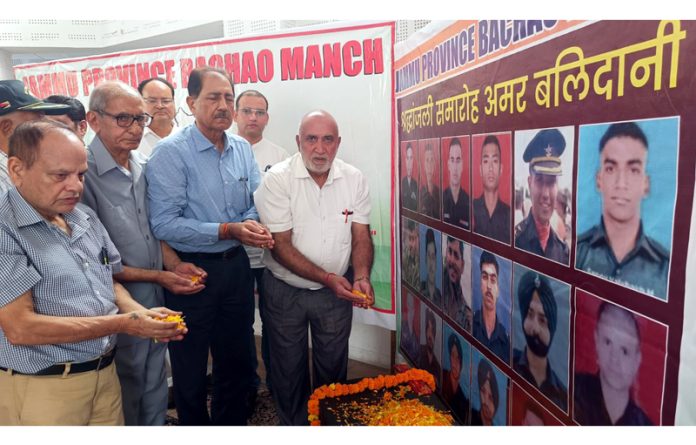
(59, 306)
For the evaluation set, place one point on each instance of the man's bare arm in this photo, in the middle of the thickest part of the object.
(362, 257)
(23, 326)
(292, 259)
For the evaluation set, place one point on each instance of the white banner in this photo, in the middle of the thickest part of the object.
(346, 71)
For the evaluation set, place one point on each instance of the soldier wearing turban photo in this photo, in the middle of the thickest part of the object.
(538, 311)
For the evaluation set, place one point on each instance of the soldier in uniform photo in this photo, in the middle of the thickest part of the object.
(429, 285)
(457, 300)
(409, 266)
(430, 190)
(606, 398)
(491, 214)
(409, 185)
(539, 314)
(455, 200)
(618, 248)
(535, 233)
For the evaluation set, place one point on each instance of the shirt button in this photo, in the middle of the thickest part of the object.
(86, 265)
(97, 293)
(618, 271)
(140, 210)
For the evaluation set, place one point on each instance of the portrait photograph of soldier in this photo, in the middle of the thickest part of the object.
(431, 342)
(490, 281)
(543, 175)
(541, 327)
(456, 373)
(455, 181)
(430, 198)
(410, 326)
(409, 175)
(525, 411)
(627, 173)
(456, 282)
(410, 272)
(431, 264)
(491, 173)
(619, 369)
(488, 392)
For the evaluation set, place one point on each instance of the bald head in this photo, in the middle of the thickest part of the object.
(320, 115)
(318, 141)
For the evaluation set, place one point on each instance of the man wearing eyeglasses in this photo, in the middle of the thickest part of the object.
(200, 185)
(252, 117)
(115, 188)
(159, 103)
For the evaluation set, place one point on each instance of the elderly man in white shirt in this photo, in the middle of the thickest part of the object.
(318, 210)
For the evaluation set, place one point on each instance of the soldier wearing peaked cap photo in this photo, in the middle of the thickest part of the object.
(539, 314)
(535, 233)
(17, 106)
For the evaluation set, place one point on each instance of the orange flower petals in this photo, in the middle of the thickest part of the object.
(393, 409)
(360, 294)
(173, 318)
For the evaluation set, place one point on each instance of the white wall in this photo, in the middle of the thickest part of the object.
(6, 66)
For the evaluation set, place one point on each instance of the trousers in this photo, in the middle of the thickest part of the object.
(220, 322)
(290, 313)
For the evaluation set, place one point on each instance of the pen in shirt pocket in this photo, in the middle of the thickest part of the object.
(104, 256)
(347, 213)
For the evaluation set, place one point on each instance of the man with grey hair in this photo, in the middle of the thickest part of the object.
(60, 307)
(115, 188)
(200, 186)
(318, 209)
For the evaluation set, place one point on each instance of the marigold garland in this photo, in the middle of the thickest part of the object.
(388, 413)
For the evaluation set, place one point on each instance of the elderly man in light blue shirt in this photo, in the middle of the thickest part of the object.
(201, 184)
(116, 189)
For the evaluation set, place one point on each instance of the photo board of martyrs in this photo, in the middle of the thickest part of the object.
(557, 291)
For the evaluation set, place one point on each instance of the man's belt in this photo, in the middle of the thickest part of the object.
(73, 368)
(225, 255)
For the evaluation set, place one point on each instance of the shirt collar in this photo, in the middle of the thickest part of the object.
(642, 242)
(300, 171)
(551, 378)
(105, 162)
(26, 215)
(202, 143)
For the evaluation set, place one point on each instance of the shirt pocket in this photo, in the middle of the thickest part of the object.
(118, 220)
